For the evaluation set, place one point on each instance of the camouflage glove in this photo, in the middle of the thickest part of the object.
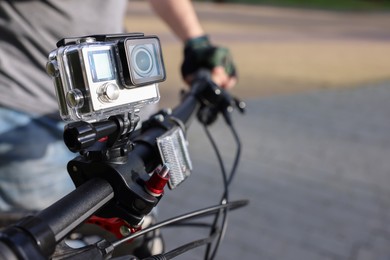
(199, 53)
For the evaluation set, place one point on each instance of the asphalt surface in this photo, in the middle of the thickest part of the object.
(315, 168)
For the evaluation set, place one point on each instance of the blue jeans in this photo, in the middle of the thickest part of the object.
(33, 161)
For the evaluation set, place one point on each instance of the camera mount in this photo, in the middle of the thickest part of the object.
(104, 148)
(101, 82)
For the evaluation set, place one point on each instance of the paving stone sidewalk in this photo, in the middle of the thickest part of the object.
(315, 167)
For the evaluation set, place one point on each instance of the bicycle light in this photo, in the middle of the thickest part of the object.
(173, 149)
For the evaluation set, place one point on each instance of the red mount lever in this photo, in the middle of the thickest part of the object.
(116, 226)
(120, 228)
(155, 185)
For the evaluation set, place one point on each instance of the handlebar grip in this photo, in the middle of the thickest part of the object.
(95, 193)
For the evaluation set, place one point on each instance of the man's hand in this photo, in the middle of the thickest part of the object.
(222, 79)
(200, 54)
(180, 16)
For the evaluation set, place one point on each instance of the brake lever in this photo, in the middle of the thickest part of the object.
(214, 99)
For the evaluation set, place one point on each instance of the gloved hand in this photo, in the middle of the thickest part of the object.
(200, 53)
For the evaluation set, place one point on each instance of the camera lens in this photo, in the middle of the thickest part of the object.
(142, 61)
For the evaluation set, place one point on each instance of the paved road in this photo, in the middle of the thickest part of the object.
(316, 157)
(316, 169)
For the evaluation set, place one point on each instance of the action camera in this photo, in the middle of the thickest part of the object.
(98, 76)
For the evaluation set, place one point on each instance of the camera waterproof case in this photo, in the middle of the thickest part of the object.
(99, 76)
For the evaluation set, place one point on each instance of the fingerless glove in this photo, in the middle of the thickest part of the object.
(200, 53)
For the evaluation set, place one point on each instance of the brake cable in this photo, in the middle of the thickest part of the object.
(195, 214)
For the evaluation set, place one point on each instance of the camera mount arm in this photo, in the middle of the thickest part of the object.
(81, 136)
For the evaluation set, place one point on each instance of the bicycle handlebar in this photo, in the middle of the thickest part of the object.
(37, 236)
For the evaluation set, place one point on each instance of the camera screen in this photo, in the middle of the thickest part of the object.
(101, 65)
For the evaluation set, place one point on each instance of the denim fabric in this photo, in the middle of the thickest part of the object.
(33, 161)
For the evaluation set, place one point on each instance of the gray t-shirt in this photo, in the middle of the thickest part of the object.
(29, 30)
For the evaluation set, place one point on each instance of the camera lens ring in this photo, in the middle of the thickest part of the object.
(142, 61)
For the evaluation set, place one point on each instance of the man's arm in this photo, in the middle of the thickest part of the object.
(180, 16)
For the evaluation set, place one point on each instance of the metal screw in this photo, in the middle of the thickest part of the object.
(125, 231)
